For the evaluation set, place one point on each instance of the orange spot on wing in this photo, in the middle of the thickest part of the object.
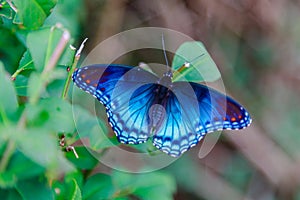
(82, 75)
(233, 119)
(88, 81)
(224, 118)
(240, 116)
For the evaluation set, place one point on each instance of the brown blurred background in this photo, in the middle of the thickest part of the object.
(256, 45)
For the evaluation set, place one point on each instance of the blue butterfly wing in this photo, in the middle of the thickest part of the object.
(126, 92)
(191, 109)
(99, 80)
(175, 135)
(194, 110)
(218, 111)
(130, 118)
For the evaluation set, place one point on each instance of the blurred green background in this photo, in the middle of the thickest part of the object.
(256, 46)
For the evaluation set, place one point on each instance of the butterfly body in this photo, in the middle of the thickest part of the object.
(140, 105)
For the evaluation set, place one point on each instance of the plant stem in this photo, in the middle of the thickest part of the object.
(12, 5)
(76, 59)
(57, 52)
(11, 144)
(7, 154)
(51, 64)
(20, 70)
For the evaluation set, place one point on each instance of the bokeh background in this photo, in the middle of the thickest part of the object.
(256, 46)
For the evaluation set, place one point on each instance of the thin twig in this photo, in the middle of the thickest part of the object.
(7, 154)
(52, 63)
(12, 5)
(58, 52)
(71, 148)
(76, 59)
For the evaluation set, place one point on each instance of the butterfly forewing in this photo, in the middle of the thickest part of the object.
(99, 80)
(120, 89)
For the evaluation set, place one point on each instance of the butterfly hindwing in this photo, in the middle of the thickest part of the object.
(175, 135)
(129, 114)
(218, 111)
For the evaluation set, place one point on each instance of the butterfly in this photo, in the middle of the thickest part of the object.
(141, 105)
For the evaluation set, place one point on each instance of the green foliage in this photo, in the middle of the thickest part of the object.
(9, 105)
(120, 185)
(48, 39)
(202, 67)
(35, 114)
(32, 13)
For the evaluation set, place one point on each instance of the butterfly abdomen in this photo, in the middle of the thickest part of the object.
(157, 112)
(157, 115)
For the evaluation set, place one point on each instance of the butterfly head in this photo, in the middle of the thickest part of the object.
(166, 80)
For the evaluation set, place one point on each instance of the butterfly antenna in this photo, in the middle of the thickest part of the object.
(164, 49)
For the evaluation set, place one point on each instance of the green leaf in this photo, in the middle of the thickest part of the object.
(32, 13)
(75, 191)
(85, 161)
(41, 146)
(52, 114)
(7, 180)
(21, 83)
(68, 56)
(8, 101)
(42, 43)
(88, 126)
(17, 19)
(6, 11)
(2, 140)
(202, 67)
(98, 186)
(155, 185)
(67, 189)
(59, 190)
(11, 49)
(7, 132)
(22, 167)
(37, 43)
(69, 14)
(26, 62)
(56, 87)
(77, 175)
(11, 194)
(26, 66)
(34, 189)
(35, 86)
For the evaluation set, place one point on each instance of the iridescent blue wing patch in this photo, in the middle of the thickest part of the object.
(194, 110)
(114, 87)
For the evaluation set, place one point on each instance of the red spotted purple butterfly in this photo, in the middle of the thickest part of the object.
(175, 115)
